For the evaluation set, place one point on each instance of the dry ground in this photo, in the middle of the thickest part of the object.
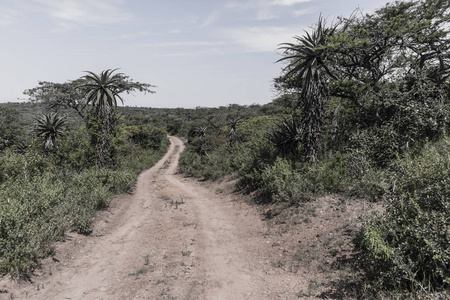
(177, 238)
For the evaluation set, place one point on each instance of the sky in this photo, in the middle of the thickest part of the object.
(205, 53)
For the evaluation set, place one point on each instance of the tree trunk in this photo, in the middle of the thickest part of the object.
(312, 121)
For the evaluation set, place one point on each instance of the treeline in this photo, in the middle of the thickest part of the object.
(62, 158)
(363, 110)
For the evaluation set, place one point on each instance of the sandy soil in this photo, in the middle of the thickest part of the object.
(177, 238)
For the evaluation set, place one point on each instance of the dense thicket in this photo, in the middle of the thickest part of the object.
(363, 109)
(408, 246)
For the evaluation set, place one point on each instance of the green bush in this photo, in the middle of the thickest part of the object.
(28, 223)
(34, 213)
(329, 176)
(145, 136)
(22, 165)
(380, 144)
(174, 126)
(247, 157)
(12, 132)
(280, 182)
(287, 181)
(75, 151)
(217, 164)
(373, 185)
(256, 127)
(250, 159)
(41, 199)
(408, 246)
(137, 159)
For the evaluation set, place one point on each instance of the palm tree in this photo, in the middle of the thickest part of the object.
(102, 91)
(50, 127)
(308, 67)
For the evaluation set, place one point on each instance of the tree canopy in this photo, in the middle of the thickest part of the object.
(389, 68)
(72, 94)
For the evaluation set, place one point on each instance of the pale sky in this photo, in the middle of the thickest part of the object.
(197, 52)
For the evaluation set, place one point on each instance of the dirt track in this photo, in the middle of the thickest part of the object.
(173, 238)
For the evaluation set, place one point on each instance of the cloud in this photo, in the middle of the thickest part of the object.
(8, 17)
(302, 12)
(265, 13)
(210, 19)
(264, 3)
(266, 9)
(233, 40)
(185, 44)
(261, 39)
(139, 34)
(287, 2)
(85, 12)
(186, 48)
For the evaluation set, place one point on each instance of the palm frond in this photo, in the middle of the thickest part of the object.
(287, 137)
(102, 90)
(50, 126)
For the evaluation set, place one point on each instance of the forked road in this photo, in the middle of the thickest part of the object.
(173, 238)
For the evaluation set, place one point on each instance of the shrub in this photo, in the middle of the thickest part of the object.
(74, 150)
(255, 127)
(373, 185)
(139, 159)
(147, 137)
(28, 225)
(408, 246)
(250, 159)
(209, 167)
(40, 199)
(247, 157)
(329, 176)
(174, 126)
(379, 144)
(280, 182)
(22, 165)
(288, 181)
(12, 133)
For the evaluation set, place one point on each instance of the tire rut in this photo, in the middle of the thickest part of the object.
(173, 238)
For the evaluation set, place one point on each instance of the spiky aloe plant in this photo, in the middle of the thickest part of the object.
(308, 66)
(102, 92)
(50, 126)
(287, 137)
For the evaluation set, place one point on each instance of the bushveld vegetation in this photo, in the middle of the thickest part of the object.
(64, 157)
(363, 110)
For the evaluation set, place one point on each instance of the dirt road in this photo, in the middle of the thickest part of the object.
(172, 238)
